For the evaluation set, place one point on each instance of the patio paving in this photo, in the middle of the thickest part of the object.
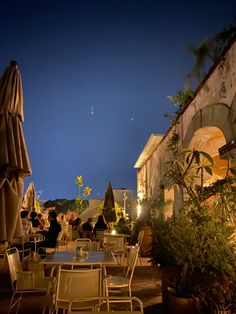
(146, 286)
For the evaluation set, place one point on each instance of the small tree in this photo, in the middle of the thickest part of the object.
(82, 199)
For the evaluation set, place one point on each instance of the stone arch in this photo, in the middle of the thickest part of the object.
(233, 106)
(215, 115)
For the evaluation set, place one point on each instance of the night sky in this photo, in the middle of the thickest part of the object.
(96, 76)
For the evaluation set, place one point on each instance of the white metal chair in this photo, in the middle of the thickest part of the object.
(140, 240)
(44, 250)
(100, 237)
(86, 244)
(123, 283)
(116, 244)
(72, 283)
(24, 282)
(119, 305)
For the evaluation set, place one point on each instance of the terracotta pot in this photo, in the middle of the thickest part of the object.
(168, 274)
(179, 305)
(146, 246)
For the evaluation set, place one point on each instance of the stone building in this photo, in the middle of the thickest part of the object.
(208, 123)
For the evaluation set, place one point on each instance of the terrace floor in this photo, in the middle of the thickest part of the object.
(146, 286)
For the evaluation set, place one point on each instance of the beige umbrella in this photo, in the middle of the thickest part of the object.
(109, 205)
(28, 201)
(14, 161)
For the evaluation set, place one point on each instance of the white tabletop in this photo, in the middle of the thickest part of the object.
(69, 258)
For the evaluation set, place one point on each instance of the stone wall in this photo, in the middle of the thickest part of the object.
(213, 106)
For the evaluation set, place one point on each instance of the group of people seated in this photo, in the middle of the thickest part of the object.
(87, 230)
(34, 223)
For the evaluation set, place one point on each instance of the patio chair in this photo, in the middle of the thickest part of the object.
(118, 305)
(140, 240)
(25, 282)
(87, 244)
(47, 250)
(100, 237)
(116, 244)
(84, 283)
(122, 283)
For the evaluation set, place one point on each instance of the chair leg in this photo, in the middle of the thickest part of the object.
(131, 303)
(13, 304)
(47, 301)
(140, 259)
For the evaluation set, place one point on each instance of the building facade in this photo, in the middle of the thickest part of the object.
(208, 123)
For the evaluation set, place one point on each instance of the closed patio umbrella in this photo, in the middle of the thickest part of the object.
(14, 161)
(29, 197)
(109, 205)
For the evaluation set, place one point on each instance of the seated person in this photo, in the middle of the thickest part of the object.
(34, 219)
(23, 244)
(87, 229)
(100, 224)
(77, 229)
(122, 227)
(26, 223)
(41, 221)
(52, 233)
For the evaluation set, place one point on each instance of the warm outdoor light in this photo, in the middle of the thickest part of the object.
(140, 195)
(139, 209)
(113, 231)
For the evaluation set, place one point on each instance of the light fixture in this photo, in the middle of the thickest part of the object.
(140, 196)
(139, 209)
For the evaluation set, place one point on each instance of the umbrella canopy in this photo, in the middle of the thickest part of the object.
(14, 161)
(109, 205)
(29, 197)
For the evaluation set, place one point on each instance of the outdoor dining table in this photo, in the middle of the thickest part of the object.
(92, 258)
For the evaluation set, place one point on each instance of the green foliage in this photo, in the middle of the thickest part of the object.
(210, 49)
(82, 200)
(197, 239)
(61, 205)
(187, 167)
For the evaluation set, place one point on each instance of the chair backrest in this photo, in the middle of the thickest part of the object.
(85, 243)
(100, 233)
(14, 263)
(114, 242)
(117, 304)
(77, 283)
(60, 236)
(131, 261)
(71, 245)
(140, 237)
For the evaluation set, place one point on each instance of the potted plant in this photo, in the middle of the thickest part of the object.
(219, 295)
(195, 241)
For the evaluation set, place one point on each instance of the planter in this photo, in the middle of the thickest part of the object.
(179, 305)
(146, 246)
(168, 274)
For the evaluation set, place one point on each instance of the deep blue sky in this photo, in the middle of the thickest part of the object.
(96, 76)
